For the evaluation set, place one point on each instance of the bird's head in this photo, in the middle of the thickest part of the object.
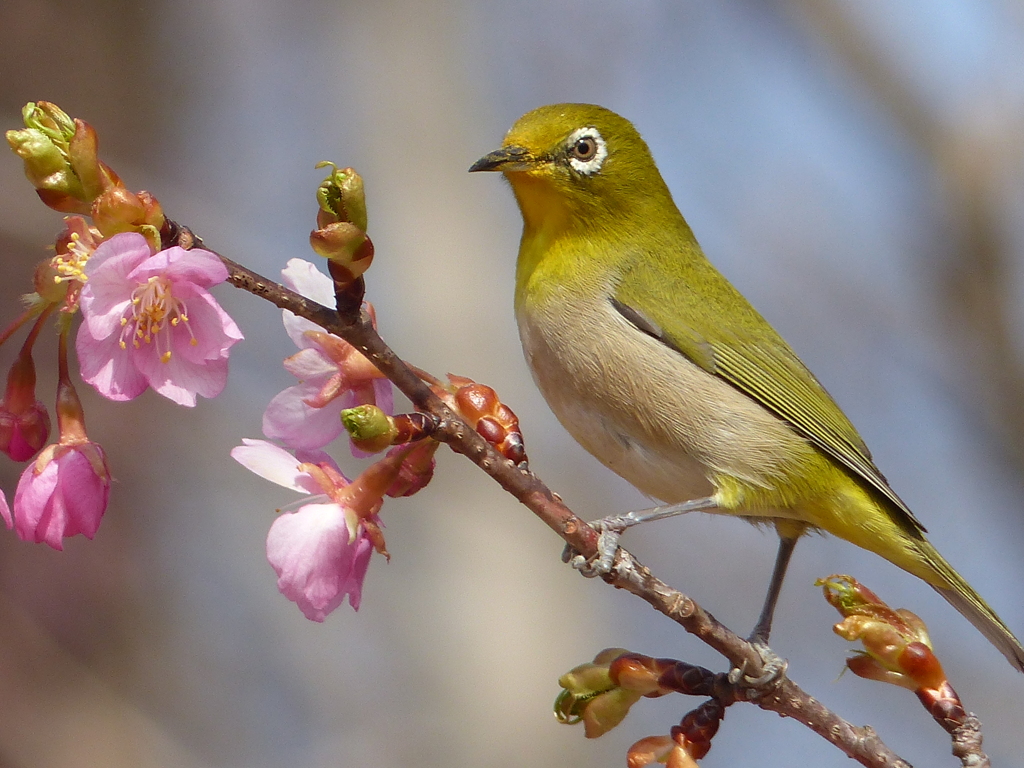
(576, 163)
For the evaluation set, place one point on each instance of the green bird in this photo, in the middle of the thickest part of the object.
(663, 371)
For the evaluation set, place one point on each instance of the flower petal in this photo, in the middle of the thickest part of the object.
(5, 511)
(110, 369)
(274, 463)
(303, 277)
(316, 561)
(195, 267)
(289, 419)
(107, 292)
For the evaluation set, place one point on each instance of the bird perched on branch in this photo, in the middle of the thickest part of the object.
(663, 371)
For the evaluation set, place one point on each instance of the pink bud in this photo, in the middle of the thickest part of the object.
(24, 422)
(23, 434)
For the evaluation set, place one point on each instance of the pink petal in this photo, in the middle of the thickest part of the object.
(107, 291)
(273, 463)
(296, 328)
(192, 369)
(5, 511)
(310, 364)
(107, 367)
(180, 380)
(195, 267)
(315, 559)
(289, 419)
(65, 499)
(384, 395)
(213, 329)
(303, 277)
(32, 512)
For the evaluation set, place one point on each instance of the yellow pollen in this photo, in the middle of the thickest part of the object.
(70, 266)
(152, 313)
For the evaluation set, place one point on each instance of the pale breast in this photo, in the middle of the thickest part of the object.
(644, 410)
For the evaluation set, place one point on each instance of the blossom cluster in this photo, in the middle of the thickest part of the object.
(321, 548)
(148, 321)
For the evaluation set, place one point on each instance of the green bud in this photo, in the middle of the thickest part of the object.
(46, 163)
(370, 428)
(341, 197)
(60, 158)
(50, 119)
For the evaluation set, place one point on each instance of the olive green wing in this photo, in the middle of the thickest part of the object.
(748, 354)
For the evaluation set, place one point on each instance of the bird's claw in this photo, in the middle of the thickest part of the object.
(609, 530)
(773, 671)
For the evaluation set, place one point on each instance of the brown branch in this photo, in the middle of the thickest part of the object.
(786, 699)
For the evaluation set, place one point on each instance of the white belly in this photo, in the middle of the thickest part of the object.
(644, 410)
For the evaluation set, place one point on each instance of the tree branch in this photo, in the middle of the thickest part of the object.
(787, 698)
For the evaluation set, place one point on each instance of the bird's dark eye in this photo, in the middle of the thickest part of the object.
(585, 149)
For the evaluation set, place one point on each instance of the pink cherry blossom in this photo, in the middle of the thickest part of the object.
(321, 551)
(332, 374)
(150, 322)
(316, 559)
(62, 493)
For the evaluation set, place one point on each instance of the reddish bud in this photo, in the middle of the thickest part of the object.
(23, 433)
(493, 420)
(119, 210)
(896, 643)
(417, 469)
(24, 421)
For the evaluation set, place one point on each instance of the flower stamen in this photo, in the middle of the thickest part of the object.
(153, 312)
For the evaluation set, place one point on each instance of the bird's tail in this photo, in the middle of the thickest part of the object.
(962, 596)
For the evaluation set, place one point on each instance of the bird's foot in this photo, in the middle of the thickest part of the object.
(609, 530)
(773, 671)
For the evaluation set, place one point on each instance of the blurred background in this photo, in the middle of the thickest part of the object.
(856, 168)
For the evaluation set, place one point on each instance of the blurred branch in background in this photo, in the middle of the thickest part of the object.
(978, 160)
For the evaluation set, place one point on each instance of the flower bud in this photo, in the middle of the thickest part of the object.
(340, 236)
(118, 210)
(24, 421)
(493, 420)
(60, 158)
(23, 433)
(341, 197)
(345, 245)
(49, 170)
(417, 469)
(592, 696)
(897, 648)
(371, 429)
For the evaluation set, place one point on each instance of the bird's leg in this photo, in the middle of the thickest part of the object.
(611, 528)
(774, 666)
(763, 628)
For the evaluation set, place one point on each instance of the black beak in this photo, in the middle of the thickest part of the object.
(504, 159)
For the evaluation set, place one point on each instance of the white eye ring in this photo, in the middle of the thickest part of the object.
(587, 150)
